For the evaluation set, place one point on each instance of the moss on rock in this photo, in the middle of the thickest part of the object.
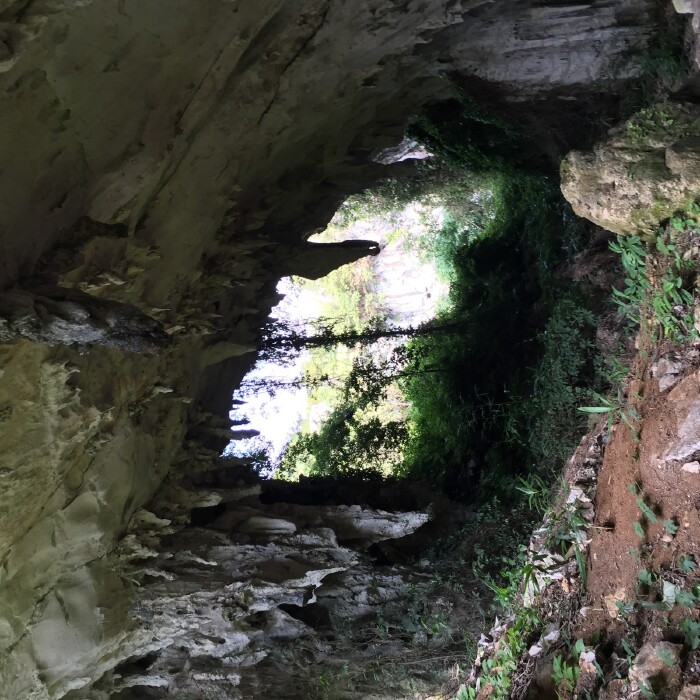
(648, 168)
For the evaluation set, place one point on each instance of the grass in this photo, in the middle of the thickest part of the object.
(565, 674)
(411, 644)
(565, 530)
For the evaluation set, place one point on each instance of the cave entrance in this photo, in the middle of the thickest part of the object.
(474, 390)
(351, 326)
(454, 357)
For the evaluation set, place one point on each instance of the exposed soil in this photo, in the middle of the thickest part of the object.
(647, 466)
(642, 477)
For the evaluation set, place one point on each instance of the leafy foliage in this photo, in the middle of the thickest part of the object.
(565, 674)
(351, 439)
(658, 293)
(691, 629)
(688, 563)
(505, 400)
(494, 383)
(465, 135)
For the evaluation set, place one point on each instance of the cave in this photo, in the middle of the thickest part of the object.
(163, 165)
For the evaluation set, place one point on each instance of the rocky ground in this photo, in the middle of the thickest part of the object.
(631, 500)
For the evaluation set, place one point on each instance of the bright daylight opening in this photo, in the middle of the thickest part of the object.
(288, 398)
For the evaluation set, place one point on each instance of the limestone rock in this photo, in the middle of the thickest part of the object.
(70, 317)
(666, 372)
(684, 7)
(407, 149)
(646, 170)
(162, 158)
(588, 674)
(685, 405)
(657, 665)
(315, 260)
(614, 690)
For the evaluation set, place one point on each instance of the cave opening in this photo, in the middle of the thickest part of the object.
(481, 175)
(482, 385)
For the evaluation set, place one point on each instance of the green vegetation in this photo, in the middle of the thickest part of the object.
(564, 529)
(498, 670)
(659, 287)
(617, 407)
(351, 298)
(492, 391)
(565, 673)
(504, 402)
(691, 630)
(659, 122)
(688, 564)
(488, 408)
(464, 134)
(663, 65)
(495, 396)
(356, 432)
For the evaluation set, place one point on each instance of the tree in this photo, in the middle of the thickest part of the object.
(358, 435)
(281, 341)
(346, 444)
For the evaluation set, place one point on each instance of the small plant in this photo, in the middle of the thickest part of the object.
(632, 253)
(615, 409)
(648, 512)
(465, 693)
(646, 577)
(629, 653)
(498, 670)
(624, 609)
(687, 563)
(671, 594)
(691, 630)
(685, 598)
(665, 655)
(664, 299)
(536, 491)
(568, 535)
(671, 527)
(646, 690)
(564, 674)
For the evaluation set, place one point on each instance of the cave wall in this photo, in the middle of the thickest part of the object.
(168, 159)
